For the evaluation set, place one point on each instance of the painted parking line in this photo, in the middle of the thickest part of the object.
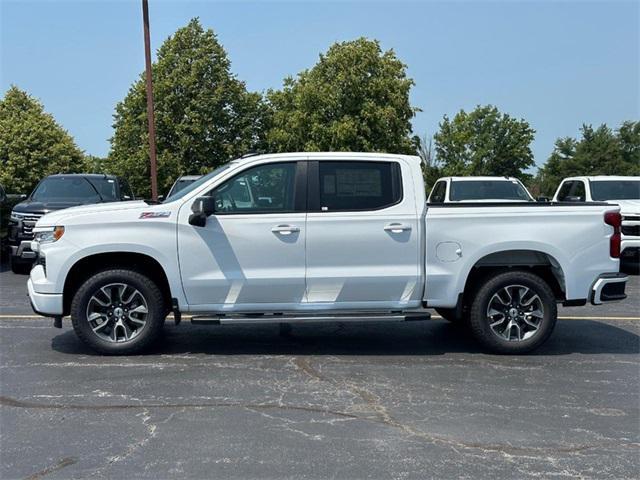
(36, 317)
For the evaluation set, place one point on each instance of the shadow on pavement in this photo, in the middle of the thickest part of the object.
(420, 338)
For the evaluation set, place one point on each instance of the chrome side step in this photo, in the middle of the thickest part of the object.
(252, 319)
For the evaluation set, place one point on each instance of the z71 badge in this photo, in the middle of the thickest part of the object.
(155, 214)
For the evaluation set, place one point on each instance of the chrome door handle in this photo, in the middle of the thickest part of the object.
(285, 229)
(397, 227)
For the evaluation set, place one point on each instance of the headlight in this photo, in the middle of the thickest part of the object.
(14, 217)
(48, 234)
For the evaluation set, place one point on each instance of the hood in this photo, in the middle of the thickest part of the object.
(57, 217)
(29, 206)
(627, 206)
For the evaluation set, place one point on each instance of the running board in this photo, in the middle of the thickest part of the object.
(252, 319)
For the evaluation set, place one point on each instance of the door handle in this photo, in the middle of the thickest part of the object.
(285, 229)
(397, 227)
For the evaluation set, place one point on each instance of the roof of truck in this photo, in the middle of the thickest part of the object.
(334, 156)
(87, 175)
(601, 178)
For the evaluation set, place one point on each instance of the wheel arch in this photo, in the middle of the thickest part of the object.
(87, 266)
(537, 261)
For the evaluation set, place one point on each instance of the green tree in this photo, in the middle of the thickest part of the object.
(431, 168)
(356, 98)
(484, 142)
(32, 144)
(599, 151)
(204, 114)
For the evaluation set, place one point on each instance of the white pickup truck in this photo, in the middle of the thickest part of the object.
(321, 237)
(618, 190)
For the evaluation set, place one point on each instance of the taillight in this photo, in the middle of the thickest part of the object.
(615, 220)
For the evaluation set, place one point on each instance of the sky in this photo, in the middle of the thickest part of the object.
(556, 64)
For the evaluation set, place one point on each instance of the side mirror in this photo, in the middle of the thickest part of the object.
(202, 208)
(573, 198)
(161, 198)
(543, 199)
(23, 196)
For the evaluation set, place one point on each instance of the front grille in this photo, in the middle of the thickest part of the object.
(631, 230)
(29, 221)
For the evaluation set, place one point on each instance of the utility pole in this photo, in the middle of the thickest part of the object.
(150, 115)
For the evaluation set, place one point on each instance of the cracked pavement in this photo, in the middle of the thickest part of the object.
(414, 400)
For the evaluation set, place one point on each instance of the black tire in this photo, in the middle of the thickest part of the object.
(450, 314)
(19, 267)
(480, 323)
(155, 316)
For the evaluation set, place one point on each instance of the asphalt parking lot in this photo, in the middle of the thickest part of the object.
(415, 400)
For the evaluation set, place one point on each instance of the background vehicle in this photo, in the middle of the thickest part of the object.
(623, 191)
(322, 237)
(479, 189)
(52, 193)
(182, 182)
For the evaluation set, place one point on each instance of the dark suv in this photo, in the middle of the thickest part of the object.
(56, 192)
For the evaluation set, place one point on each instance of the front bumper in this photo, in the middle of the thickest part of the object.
(609, 287)
(45, 304)
(23, 250)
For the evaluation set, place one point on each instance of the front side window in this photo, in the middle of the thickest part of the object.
(438, 192)
(615, 190)
(578, 193)
(349, 186)
(262, 189)
(565, 189)
(488, 190)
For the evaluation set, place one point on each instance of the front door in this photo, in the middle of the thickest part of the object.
(363, 235)
(252, 250)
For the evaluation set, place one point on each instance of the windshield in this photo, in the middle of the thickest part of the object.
(195, 185)
(180, 184)
(488, 190)
(75, 190)
(615, 190)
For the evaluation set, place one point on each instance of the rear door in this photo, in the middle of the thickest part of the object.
(362, 234)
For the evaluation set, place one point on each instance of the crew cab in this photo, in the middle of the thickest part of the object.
(479, 189)
(321, 237)
(618, 190)
(52, 193)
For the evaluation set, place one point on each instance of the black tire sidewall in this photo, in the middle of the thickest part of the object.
(155, 306)
(480, 325)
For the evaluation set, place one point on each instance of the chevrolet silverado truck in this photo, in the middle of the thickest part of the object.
(57, 192)
(321, 237)
(623, 191)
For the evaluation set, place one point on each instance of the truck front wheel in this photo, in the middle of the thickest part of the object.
(513, 312)
(118, 312)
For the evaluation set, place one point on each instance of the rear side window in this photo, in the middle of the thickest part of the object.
(438, 192)
(349, 186)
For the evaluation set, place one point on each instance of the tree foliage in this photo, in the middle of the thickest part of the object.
(600, 151)
(356, 98)
(204, 114)
(484, 142)
(32, 143)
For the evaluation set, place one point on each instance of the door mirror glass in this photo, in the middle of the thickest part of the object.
(204, 205)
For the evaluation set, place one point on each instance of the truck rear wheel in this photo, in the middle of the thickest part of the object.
(118, 312)
(513, 312)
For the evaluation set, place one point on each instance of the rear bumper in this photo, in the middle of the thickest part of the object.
(45, 304)
(609, 287)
